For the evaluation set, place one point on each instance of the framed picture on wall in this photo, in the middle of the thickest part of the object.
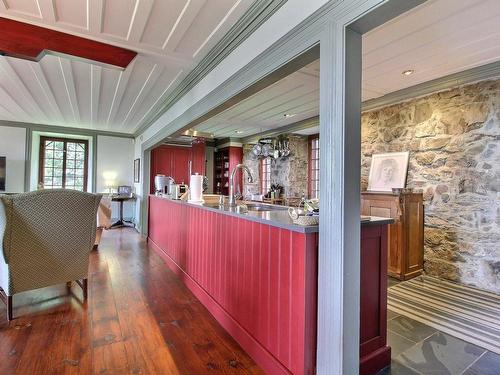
(388, 171)
(137, 168)
(3, 172)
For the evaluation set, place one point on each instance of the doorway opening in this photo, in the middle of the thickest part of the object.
(429, 92)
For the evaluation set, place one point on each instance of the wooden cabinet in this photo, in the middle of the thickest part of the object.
(406, 235)
(225, 160)
(374, 353)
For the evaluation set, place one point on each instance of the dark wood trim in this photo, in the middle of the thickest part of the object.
(41, 159)
(65, 150)
(30, 42)
(261, 175)
(84, 285)
(309, 164)
(86, 166)
(8, 303)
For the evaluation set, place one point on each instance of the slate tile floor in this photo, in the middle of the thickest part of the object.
(418, 349)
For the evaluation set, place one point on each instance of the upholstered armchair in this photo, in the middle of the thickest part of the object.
(47, 237)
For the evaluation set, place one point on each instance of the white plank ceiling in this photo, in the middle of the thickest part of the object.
(294, 98)
(436, 39)
(170, 36)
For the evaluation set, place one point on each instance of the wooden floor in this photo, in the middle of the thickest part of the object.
(139, 319)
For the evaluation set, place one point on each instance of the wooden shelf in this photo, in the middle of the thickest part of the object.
(233, 156)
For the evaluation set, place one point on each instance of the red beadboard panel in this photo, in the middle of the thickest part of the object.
(258, 281)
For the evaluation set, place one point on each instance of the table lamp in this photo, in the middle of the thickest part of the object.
(109, 180)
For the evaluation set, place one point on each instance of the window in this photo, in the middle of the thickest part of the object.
(63, 163)
(314, 166)
(265, 175)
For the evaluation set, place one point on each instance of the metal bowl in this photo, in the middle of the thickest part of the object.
(257, 149)
(267, 150)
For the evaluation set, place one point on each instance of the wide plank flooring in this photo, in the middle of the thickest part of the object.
(139, 319)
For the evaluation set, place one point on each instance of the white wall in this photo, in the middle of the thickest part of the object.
(115, 158)
(114, 154)
(13, 147)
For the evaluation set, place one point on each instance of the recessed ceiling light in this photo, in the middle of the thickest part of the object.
(238, 131)
(408, 72)
(289, 115)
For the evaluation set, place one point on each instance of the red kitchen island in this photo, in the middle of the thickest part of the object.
(256, 272)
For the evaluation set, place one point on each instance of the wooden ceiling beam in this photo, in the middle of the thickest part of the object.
(30, 42)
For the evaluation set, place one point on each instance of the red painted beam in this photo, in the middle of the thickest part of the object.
(30, 42)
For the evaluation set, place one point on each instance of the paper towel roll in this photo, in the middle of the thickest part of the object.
(196, 188)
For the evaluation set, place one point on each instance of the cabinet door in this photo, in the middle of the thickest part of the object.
(414, 217)
(198, 158)
(180, 165)
(387, 206)
(161, 163)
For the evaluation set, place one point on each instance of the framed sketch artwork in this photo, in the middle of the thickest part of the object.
(388, 171)
(137, 167)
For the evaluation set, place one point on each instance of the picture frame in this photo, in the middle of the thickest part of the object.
(388, 171)
(137, 168)
(125, 190)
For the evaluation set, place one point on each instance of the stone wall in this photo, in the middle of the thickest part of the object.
(290, 172)
(254, 166)
(454, 143)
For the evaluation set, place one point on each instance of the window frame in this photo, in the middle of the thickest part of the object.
(265, 175)
(41, 159)
(312, 172)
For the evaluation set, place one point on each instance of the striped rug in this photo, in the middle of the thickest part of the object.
(467, 313)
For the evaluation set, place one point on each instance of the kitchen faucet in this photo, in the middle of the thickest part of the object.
(232, 198)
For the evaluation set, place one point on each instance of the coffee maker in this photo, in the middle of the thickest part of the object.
(162, 184)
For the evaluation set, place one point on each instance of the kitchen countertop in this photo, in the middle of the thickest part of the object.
(276, 218)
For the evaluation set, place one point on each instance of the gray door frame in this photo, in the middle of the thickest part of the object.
(337, 28)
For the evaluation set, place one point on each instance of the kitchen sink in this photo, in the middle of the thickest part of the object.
(264, 207)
